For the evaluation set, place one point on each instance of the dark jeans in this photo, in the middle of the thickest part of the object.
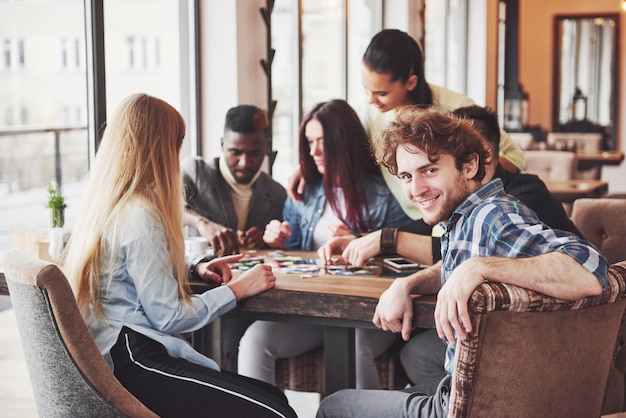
(423, 358)
(175, 387)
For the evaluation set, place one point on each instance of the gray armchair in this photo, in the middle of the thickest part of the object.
(69, 375)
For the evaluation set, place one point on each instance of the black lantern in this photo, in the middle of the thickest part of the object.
(579, 106)
(513, 113)
(516, 108)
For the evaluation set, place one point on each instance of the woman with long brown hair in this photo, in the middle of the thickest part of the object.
(345, 194)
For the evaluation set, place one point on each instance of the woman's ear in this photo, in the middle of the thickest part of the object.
(411, 83)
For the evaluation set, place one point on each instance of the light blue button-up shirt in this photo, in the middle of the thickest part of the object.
(138, 290)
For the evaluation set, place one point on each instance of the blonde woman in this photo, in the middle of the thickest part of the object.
(127, 266)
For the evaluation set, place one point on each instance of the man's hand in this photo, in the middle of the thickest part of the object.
(295, 186)
(394, 311)
(356, 251)
(252, 238)
(359, 251)
(223, 240)
(451, 311)
(334, 245)
(276, 233)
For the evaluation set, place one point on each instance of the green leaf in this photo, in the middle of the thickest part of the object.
(55, 198)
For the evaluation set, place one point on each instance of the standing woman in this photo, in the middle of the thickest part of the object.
(344, 194)
(127, 267)
(392, 76)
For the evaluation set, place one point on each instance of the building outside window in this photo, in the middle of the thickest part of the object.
(43, 66)
(43, 85)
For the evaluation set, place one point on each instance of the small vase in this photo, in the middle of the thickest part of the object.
(57, 218)
(56, 238)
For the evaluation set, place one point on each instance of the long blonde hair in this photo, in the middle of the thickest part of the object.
(138, 158)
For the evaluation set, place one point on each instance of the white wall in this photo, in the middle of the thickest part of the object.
(218, 77)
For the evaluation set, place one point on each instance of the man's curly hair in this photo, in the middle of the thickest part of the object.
(434, 132)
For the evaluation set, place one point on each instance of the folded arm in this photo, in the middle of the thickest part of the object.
(555, 274)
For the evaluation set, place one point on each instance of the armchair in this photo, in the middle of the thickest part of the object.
(551, 165)
(68, 374)
(603, 222)
(532, 355)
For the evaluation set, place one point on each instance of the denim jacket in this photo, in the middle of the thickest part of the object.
(383, 211)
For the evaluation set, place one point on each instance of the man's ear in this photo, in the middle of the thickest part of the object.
(267, 145)
(222, 143)
(470, 168)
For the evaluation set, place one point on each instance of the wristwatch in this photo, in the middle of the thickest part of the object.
(194, 263)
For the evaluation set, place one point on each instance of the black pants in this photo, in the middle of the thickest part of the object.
(174, 387)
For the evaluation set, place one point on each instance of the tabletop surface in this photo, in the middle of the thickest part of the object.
(351, 298)
(369, 283)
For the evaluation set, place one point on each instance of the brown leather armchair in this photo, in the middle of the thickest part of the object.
(532, 355)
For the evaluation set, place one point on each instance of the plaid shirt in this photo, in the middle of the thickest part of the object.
(490, 222)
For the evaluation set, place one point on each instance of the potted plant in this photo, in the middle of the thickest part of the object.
(56, 234)
(56, 203)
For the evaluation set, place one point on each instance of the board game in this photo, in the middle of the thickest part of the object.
(306, 267)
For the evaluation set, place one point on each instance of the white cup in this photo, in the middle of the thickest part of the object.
(57, 238)
(195, 246)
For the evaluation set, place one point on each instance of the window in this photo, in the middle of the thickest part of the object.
(325, 65)
(44, 84)
(12, 54)
(446, 44)
(143, 53)
(72, 52)
(133, 54)
(15, 116)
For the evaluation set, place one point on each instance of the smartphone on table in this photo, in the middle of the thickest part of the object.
(401, 265)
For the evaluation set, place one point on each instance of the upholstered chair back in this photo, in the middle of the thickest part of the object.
(70, 378)
(531, 355)
(551, 165)
(603, 222)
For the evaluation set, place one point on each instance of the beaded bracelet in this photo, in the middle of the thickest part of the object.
(388, 238)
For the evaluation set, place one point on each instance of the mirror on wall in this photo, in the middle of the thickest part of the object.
(586, 59)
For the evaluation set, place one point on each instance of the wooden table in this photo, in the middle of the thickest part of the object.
(569, 190)
(600, 157)
(338, 303)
